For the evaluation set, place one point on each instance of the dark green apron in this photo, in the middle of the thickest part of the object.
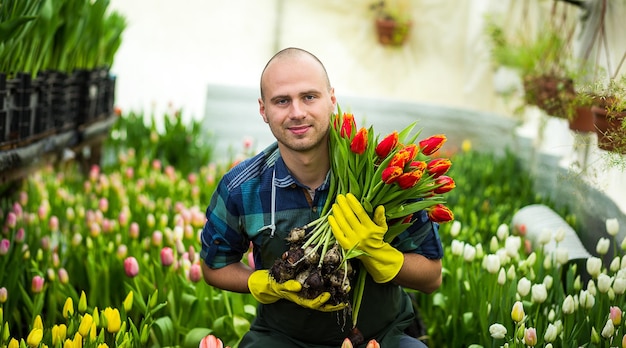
(386, 311)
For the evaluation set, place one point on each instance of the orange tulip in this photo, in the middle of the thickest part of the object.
(359, 143)
(412, 151)
(400, 159)
(444, 184)
(440, 213)
(387, 145)
(409, 179)
(418, 165)
(431, 144)
(438, 166)
(348, 125)
(391, 174)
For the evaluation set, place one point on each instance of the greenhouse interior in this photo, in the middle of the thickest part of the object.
(124, 125)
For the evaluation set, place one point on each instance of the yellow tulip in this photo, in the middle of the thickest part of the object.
(34, 337)
(82, 302)
(38, 323)
(68, 308)
(14, 343)
(85, 325)
(113, 320)
(59, 332)
(96, 316)
(93, 332)
(128, 301)
(78, 341)
(103, 345)
(517, 313)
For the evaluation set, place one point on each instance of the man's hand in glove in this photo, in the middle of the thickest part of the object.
(266, 290)
(351, 225)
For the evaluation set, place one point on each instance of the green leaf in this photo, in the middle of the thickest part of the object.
(164, 331)
(241, 325)
(195, 335)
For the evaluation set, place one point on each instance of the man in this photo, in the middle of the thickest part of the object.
(285, 186)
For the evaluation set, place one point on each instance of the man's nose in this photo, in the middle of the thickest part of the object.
(297, 109)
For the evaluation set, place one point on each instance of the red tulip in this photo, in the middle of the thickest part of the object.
(444, 184)
(438, 166)
(211, 341)
(440, 213)
(409, 179)
(131, 266)
(359, 143)
(387, 145)
(391, 174)
(432, 144)
(348, 125)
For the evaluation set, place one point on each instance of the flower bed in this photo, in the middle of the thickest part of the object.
(122, 244)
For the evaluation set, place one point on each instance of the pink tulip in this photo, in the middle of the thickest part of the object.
(20, 235)
(3, 294)
(53, 224)
(131, 267)
(195, 273)
(103, 205)
(167, 256)
(18, 210)
(64, 278)
(5, 245)
(11, 219)
(133, 231)
(37, 284)
(211, 341)
(251, 259)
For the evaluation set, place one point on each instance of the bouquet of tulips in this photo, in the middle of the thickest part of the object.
(396, 172)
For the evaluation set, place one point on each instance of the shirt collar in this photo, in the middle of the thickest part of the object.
(285, 179)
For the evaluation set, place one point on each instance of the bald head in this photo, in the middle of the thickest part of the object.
(293, 53)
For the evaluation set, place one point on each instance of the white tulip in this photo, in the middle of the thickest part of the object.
(609, 329)
(491, 263)
(469, 252)
(612, 226)
(503, 231)
(594, 266)
(551, 333)
(497, 331)
(457, 247)
(568, 305)
(548, 281)
(559, 235)
(455, 229)
(501, 276)
(604, 283)
(539, 293)
(603, 246)
(615, 264)
(561, 256)
(586, 299)
(512, 245)
(619, 286)
(523, 286)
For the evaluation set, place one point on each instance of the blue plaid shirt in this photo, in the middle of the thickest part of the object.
(242, 205)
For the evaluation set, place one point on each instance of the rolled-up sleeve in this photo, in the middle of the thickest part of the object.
(422, 237)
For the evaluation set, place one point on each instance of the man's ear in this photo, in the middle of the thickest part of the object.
(262, 110)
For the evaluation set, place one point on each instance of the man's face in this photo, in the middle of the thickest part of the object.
(297, 103)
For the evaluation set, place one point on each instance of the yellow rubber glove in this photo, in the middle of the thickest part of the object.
(266, 290)
(351, 225)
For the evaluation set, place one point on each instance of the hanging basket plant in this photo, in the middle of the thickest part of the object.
(392, 22)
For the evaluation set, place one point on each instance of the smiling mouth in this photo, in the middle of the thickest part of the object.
(299, 130)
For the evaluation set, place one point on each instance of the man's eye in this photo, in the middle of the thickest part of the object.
(309, 97)
(281, 101)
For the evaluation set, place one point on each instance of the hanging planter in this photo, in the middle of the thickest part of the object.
(391, 32)
(611, 128)
(553, 94)
(582, 120)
